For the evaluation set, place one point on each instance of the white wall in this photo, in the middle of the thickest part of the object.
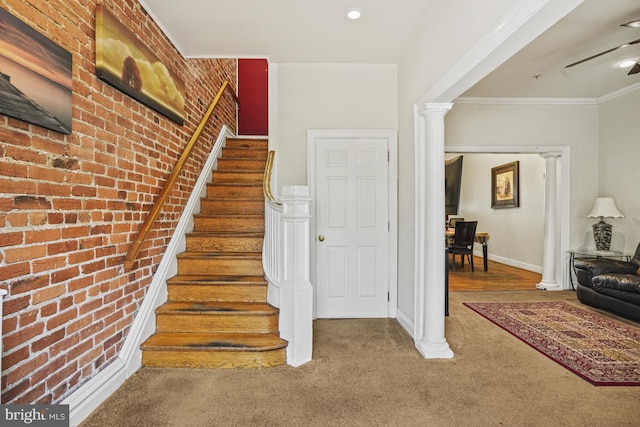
(618, 171)
(526, 125)
(329, 96)
(433, 51)
(516, 234)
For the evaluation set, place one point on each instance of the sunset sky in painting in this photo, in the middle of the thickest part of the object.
(27, 47)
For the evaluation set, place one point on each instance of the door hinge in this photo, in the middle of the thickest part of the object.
(388, 296)
(388, 156)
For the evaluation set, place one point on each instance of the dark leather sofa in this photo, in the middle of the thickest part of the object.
(611, 285)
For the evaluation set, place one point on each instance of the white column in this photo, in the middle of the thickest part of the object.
(548, 281)
(296, 293)
(430, 246)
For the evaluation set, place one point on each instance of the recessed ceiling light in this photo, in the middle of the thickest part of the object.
(632, 24)
(354, 14)
(627, 63)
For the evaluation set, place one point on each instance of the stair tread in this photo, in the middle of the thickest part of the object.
(239, 233)
(213, 341)
(235, 255)
(216, 307)
(217, 279)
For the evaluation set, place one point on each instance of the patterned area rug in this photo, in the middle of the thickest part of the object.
(602, 351)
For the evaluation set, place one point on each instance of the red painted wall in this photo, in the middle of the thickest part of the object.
(253, 93)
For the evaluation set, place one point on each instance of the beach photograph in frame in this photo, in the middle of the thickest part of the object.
(35, 76)
(505, 183)
(125, 63)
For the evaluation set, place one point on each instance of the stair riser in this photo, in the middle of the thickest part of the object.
(240, 191)
(245, 153)
(220, 177)
(221, 266)
(223, 244)
(232, 207)
(221, 293)
(216, 323)
(228, 224)
(247, 143)
(213, 359)
(241, 165)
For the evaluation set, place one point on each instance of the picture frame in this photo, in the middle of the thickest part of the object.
(35, 76)
(125, 63)
(505, 186)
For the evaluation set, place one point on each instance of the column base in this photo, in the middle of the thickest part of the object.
(548, 286)
(430, 350)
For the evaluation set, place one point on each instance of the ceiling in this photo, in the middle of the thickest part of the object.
(318, 31)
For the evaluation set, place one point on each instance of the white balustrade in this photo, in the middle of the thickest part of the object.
(2, 294)
(286, 265)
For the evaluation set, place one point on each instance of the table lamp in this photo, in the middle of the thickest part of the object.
(603, 207)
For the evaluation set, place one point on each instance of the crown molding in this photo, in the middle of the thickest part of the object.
(525, 101)
(621, 92)
(496, 100)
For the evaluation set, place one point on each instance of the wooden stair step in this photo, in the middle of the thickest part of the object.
(249, 165)
(245, 153)
(221, 176)
(216, 316)
(217, 288)
(201, 263)
(226, 190)
(234, 206)
(208, 222)
(213, 350)
(247, 143)
(235, 241)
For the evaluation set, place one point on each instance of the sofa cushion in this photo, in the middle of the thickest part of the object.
(622, 286)
(598, 266)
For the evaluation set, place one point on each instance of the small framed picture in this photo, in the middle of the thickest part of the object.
(505, 186)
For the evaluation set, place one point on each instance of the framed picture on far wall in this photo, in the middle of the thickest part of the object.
(128, 65)
(505, 182)
(35, 76)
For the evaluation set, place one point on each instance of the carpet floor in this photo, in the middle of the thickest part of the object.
(367, 372)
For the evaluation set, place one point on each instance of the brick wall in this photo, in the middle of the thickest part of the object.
(70, 204)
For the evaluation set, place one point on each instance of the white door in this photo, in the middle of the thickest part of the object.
(352, 227)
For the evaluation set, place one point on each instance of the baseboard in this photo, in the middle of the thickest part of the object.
(405, 321)
(511, 262)
(83, 401)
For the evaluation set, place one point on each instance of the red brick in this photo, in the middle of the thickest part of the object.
(11, 239)
(48, 293)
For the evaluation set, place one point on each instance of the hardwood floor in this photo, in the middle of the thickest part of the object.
(499, 277)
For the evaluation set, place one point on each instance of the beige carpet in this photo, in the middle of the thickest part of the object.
(368, 373)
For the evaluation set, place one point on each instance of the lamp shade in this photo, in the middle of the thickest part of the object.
(605, 207)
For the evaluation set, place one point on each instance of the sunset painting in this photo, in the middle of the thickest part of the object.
(35, 76)
(125, 63)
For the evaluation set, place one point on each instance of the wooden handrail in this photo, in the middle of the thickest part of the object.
(266, 179)
(134, 249)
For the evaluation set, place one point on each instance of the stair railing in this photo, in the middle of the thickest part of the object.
(3, 292)
(285, 260)
(136, 245)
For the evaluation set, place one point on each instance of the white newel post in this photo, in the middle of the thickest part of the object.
(2, 294)
(430, 199)
(296, 293)
(548, 281)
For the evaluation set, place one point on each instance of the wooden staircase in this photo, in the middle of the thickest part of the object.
(217, 314)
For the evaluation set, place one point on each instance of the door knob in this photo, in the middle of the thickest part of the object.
(321, 238)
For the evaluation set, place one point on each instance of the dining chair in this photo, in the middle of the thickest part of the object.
(463, 240)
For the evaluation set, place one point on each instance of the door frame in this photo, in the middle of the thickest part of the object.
(392, 202)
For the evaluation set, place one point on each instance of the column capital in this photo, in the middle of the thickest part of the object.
(439, 108)
(550, 154)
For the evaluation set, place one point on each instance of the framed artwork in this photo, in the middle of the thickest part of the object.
(128, 65)
(35, 76)
(505, 186)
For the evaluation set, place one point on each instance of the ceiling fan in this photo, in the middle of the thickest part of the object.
(635, 69)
